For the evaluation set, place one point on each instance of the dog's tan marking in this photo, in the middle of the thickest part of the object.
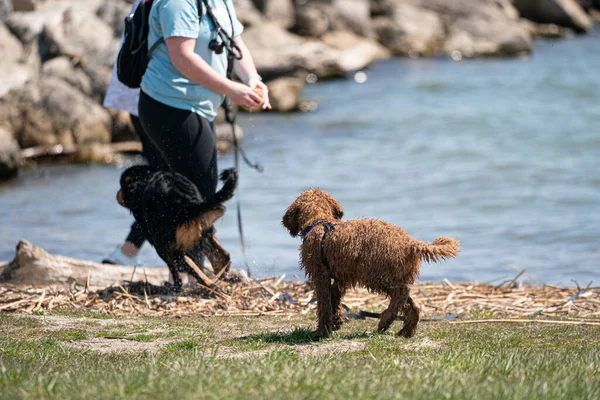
(210, 217)
(188, 234)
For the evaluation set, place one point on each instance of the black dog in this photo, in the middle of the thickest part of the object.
(175, 216)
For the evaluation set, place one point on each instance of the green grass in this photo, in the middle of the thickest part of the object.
(273, 358)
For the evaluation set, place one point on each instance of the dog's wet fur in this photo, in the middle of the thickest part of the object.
(175, 216)
(372, 253)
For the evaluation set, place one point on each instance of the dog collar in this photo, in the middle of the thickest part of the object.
(328, 226)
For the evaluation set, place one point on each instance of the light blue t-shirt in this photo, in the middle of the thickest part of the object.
(179, 18)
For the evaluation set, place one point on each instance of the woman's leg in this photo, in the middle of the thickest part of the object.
(186, 141)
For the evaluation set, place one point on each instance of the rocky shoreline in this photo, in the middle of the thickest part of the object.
(57, 55)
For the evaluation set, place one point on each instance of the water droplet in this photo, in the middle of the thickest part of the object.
(456, 55)
(311, 78)
(360, 77)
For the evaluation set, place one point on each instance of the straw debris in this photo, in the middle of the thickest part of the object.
(276, 296)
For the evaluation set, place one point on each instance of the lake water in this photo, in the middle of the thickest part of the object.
(503, 154)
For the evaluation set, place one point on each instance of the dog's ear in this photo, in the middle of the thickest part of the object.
(336, 208)
(290, 220)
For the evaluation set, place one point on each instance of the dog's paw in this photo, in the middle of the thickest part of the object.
(228, 174)
(337, 324)
(169, 287)
(407, 332)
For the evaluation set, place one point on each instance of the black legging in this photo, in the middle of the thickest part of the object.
(177, 140)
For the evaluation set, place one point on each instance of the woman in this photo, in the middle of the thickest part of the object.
(186, 82)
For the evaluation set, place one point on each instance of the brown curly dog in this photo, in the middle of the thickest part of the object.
(338, 255)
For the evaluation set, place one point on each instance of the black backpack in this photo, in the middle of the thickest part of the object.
(134, 54)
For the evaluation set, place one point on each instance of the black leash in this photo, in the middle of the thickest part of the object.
(233, 53)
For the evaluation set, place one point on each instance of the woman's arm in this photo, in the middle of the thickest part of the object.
(246, 71)
(193, 67)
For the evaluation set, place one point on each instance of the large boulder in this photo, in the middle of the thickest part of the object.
(284, 93)
(28, 27)
(62, 68)
(355, 52)
(51, 111)
(410, 30)
(27, 5)
(14, 75)
(11, 49)
(567, 13)
(280, 12)
(113, 13)
(482, 27)
(6, 8)
(316, 17)
(10, 155)
(353, 15)
(80, 35)
(14, 72)
(247, 13)
(277, 53)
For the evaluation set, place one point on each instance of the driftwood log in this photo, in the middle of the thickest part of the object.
(34, 266)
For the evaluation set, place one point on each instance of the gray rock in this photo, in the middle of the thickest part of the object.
(11, 49)
(280, 12)
(566, 13)
(27, 5)
(113, 13)
(27, 26)
(355, 52)
(313, 19)
(316, 17)
(478, 27)
(284, 93)
(279, 53)
(14, 75)
(353, 15)
(62, 68)
(6, 8)
(411, 30)
(51, 111)
(10, 155)
(79, 34)
(247, 13)
(14, 72)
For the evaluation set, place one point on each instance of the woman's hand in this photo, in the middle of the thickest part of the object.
(243, 95)
(256, 83)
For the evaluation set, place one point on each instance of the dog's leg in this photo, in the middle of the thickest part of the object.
(337, 293)
(412, 311)
(322, 284)
(398, 297)
(177, 283)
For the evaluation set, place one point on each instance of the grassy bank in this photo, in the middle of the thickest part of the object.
(96, 356)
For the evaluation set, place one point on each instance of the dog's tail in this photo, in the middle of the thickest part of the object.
(230, 181)
(441, 248)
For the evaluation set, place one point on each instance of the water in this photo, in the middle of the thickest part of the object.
(502, 154)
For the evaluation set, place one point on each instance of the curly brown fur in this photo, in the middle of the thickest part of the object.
(175, 217)
(367, 252)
